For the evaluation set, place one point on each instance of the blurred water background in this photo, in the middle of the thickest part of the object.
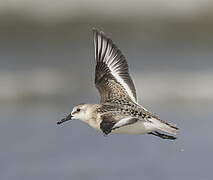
(47, 66)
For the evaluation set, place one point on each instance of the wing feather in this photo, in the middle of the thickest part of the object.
(112, 121)
(112, 77)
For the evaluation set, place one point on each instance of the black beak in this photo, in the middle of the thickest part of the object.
(65, 119)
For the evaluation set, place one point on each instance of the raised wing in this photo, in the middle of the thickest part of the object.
(112, 77)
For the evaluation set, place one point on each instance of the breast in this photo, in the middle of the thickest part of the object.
(94, 123)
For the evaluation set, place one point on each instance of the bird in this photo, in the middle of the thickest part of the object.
(118, 111)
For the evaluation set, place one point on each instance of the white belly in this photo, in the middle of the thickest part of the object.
(139, 127)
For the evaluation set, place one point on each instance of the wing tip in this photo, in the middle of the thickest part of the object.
(97, 31)
(94, 29)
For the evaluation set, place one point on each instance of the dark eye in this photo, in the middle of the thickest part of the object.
(78, 110)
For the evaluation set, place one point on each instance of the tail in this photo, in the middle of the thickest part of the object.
(163, 125)
(162, 136)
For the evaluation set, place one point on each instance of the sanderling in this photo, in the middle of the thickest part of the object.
(118, 111)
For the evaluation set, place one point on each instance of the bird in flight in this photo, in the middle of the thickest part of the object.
(119, 110)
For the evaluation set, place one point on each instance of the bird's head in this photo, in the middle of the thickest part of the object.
(80, 112)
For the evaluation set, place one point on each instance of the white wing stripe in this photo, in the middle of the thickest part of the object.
(114, 68)
(124, 122)
(121, 81)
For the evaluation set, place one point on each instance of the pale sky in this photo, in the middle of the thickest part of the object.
(54, 9)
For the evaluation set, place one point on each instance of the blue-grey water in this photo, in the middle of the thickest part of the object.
(40, 83)
(34, 147)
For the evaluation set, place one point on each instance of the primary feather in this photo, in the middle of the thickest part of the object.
(112, 77)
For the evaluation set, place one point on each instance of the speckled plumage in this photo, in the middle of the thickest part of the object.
(118, 111)
(113, 112)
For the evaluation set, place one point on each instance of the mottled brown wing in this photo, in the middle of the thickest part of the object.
(112, 77)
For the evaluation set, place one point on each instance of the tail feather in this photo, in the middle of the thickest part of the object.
(162, 136)
(163, 126)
